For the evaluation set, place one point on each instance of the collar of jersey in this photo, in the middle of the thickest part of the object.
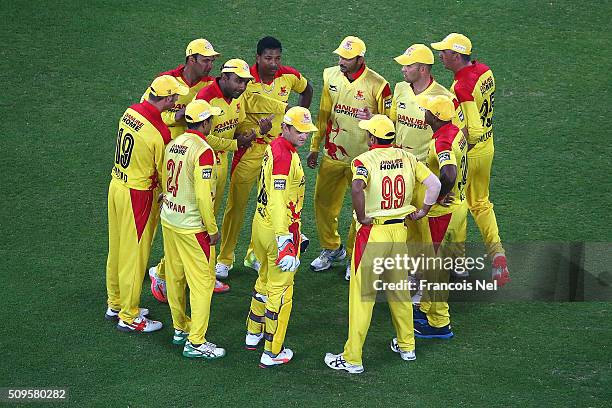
(195, 132)
(151, 109)
(255, 74)
(287, 144)
(463, 71)
(218, 91)
(431, 82)
(378, 146)
(356, 75)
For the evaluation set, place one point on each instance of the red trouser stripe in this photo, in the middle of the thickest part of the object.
(142, 201)
(361, 239)
(437, 228)
(236, 159)
(204, 241)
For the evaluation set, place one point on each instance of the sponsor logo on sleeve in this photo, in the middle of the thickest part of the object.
(444, 156)
(206, 174)
(280, 184)
(388, 103)
(361, 171)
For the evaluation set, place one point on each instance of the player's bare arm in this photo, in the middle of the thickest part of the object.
(265, 124)
(364, 114)
(305, 97)
(431, 195)
(358, 196)
(215, 238)
(312, 159)
(245, 139)
(448, 176)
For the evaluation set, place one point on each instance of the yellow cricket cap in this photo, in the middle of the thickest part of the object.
(166, 85)
(380, 126)
(351, 47)
(454, 42)
(238, 67)
(202, 47)
(440, 106)
(300, 118)
(416, 53)
(199, 110)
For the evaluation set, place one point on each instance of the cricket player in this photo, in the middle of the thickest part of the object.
(276, 238)
(412, 132)
(347, 88)
(190, 230)
(383, 181)
(447, 159)
(474, 87)
(415, 135)
(194, 74)
(133, 208)
(227, 93)
(278, 82)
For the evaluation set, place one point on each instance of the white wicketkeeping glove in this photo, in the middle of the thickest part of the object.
(287, 259)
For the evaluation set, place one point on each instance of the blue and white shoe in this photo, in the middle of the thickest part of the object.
(419, 316)
(425, 331)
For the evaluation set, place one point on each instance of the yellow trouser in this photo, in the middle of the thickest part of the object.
(445, 239)
(273, 295)
(333, 179)
(132, 219)
(221, 179)
(477, 197)
(245, 172)
(188, 265)
(221, 169)
(384, 238)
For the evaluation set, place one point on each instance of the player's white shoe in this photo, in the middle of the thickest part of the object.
(222, 270)
(327, 257)
(267, 361)
(180, 337)
(405, 355)
(158, 286)
(347, 273)
(206, 350)
(251, 262)
(251, 340)
(112, 314)
(337, 362)
(140, 325)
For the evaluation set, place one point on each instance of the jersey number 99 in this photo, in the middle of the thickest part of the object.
(393, 192)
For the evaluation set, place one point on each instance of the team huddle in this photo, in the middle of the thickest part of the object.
(416, 160)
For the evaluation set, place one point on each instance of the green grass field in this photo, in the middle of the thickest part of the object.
(69, 70)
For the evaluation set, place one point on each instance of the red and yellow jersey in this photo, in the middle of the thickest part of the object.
(189, 183)
(390, 175)
(411, 131)
(281, 187)
(178, 128)
(234, 112)
(474, 87)
(286, 80)
(340, 101)
(449, 146)
(139, 153)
